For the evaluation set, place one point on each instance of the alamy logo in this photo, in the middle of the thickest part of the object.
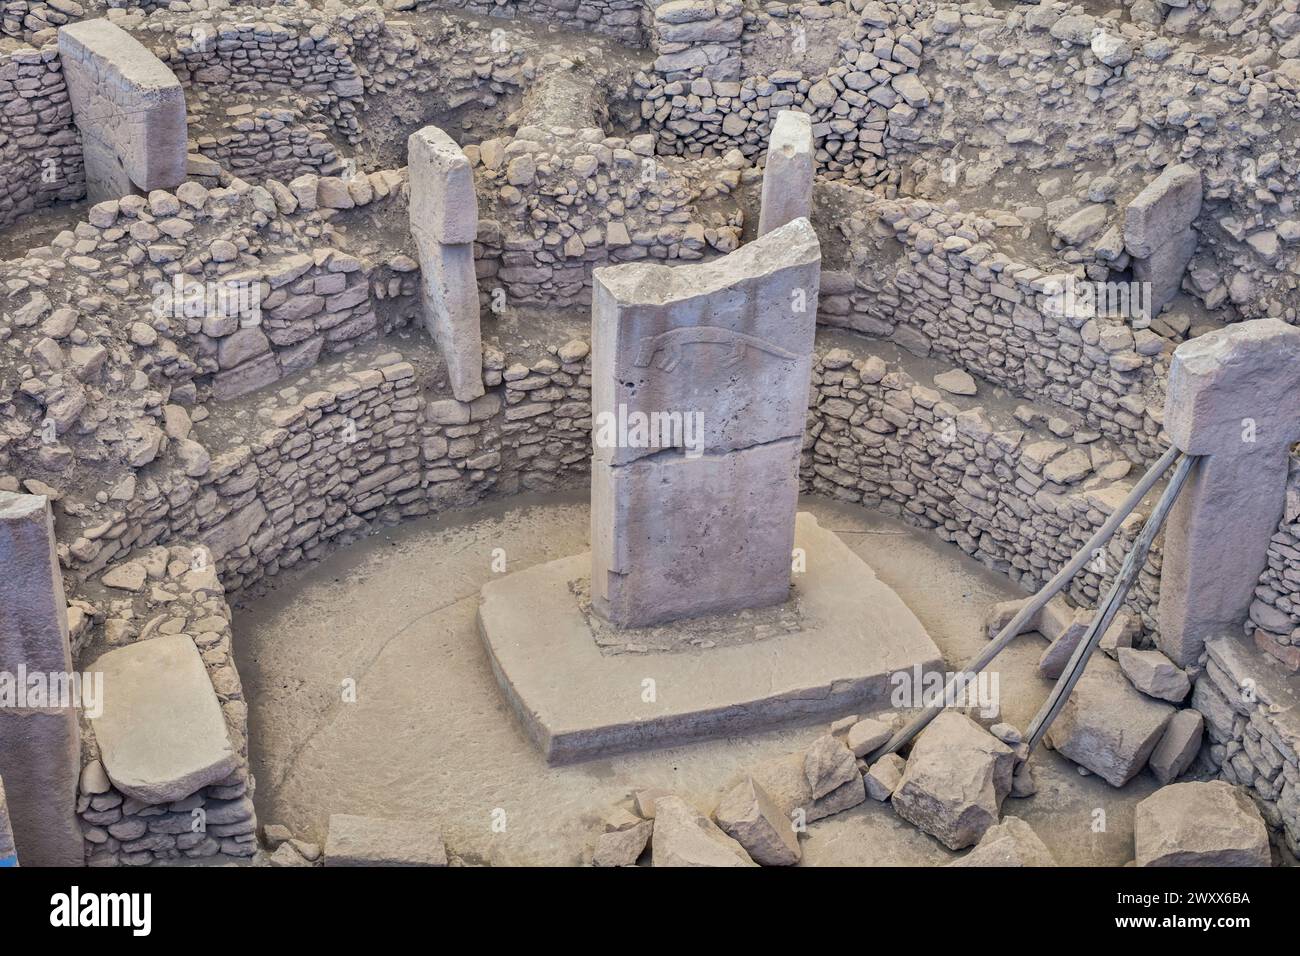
(37, 690)
(1069, 296)
(917, 688)
(234, 298)
(131, 910)
(625, 429)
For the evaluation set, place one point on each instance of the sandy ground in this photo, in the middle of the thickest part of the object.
(427, 734)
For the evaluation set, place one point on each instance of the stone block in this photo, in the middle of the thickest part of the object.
(129, 108)
(956, 778)
(1163, 210)
(1208, 823)
(1107, 726)
(161, 735)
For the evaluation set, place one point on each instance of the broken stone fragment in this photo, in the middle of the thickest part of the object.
(1107, 726)
(1012, 842)
(1154, 674)
(827, 765)
(1053, 661)
(622, 844)
(884, 777)
(867, 735)
(685, 837)
(1179, 745)
(750, 816)
(1208, 823)
(956, 778)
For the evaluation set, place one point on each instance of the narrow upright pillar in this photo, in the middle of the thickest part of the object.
(40, 740)
(699, 395)
(129, 109)
(1234, 397)
(444, 222)
(1158, 231)
(788, 175)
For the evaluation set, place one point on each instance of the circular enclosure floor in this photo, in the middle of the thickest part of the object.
(369, 693)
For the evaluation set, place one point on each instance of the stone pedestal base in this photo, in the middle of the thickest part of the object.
(582, 692)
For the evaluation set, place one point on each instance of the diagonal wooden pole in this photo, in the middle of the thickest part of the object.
(1013, 628)
(1128, 573)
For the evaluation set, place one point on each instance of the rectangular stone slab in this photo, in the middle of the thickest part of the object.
(129, 108)
(451, 312)
(161, 734)
(676, 537)
(1163, 210)
(40, 749)
(577, 703)
(443, 204)
(726, 347)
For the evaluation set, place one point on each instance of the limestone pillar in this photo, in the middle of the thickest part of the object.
(788, 175)
(701, 522)
(40, 746)
(129, 108)
(1234, 397)
(444, 222)
(1158, 231)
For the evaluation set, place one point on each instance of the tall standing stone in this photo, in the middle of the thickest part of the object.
(40, 746)
(1158, 231)
(788, 175)
(444, 222)
(129, 108)
(706, 526)
(1234, 397)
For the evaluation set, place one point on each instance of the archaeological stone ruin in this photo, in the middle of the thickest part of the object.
(649, 433)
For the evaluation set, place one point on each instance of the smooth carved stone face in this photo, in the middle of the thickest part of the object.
(730, 340)
(443, 204)
(788, 176)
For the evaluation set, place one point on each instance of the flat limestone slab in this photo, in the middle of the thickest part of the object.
(161, 734)
(577, 703)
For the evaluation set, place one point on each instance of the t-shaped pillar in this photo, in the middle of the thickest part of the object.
(1233, 397)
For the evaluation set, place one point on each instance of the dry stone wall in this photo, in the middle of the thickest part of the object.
(1275, 613)
(257, 143)
(936, 282)
(40, 151)
(169, 591)
(556, 203)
